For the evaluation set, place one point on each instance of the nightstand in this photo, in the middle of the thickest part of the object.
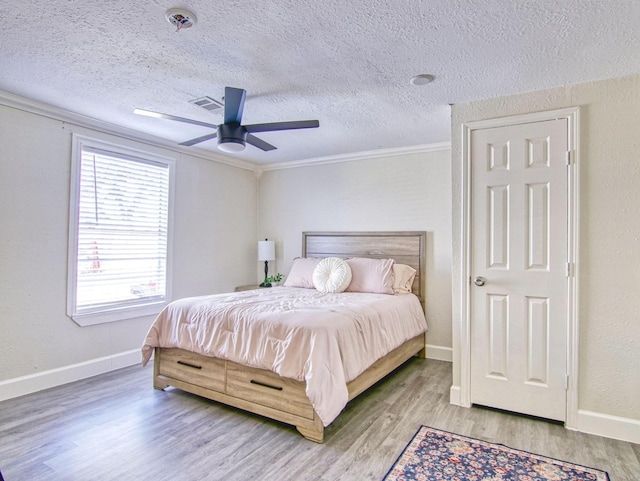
(249, 288)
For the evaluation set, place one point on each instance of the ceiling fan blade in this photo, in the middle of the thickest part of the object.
(158, 115)
(200, 139)
(261, 144)
(297, 124)
(233, 104)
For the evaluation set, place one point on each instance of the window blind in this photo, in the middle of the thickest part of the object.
(122, 231)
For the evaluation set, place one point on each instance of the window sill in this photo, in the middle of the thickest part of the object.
(117, 314)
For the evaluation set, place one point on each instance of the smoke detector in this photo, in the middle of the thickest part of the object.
(180, 18)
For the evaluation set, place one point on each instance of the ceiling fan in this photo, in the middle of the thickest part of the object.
(232, 135)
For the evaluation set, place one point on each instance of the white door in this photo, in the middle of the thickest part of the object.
(519, 254)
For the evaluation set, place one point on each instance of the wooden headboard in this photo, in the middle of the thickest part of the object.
(407, 247)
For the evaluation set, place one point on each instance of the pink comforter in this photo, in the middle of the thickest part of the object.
(326, 340)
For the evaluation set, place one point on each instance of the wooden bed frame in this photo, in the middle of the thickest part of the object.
(264, 392)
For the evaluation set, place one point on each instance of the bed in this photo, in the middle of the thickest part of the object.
(295, 384)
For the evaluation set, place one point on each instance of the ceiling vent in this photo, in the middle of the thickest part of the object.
(208, 103)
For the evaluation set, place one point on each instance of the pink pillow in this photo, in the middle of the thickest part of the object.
(301, 273)
(371, 275)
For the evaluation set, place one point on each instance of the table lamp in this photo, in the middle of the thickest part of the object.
(266, 253)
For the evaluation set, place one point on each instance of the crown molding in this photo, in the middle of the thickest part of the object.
(367, 155)
(40, 108)
(56, 113)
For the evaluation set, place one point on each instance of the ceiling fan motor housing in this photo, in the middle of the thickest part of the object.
(232, 133)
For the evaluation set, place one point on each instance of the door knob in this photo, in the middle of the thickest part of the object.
(479, 281)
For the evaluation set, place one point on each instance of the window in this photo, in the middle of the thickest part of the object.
(119, 235)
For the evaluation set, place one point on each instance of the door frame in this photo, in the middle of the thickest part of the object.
(572, 115)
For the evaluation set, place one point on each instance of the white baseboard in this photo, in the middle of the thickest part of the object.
(12, 388)
(614, 427)
(454, 395)
(623, 429)
(439, 353)
(19, 386)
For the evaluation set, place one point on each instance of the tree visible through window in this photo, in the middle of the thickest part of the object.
(122, 231)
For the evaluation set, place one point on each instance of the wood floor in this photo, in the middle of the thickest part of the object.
(117, 427)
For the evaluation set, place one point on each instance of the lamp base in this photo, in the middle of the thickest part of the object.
(266, 275)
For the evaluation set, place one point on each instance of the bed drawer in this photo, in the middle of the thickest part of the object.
(193, 368)
(266, 388)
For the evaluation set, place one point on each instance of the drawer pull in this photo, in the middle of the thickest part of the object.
(189, 365)
(277, 388)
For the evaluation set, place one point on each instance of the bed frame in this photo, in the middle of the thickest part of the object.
(264, 392)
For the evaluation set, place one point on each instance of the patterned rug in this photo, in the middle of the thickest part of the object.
(434, 455)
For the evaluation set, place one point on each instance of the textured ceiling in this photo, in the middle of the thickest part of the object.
(347, 64)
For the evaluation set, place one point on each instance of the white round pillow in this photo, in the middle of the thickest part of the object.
(332, 274)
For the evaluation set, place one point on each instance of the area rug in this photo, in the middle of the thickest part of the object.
(434, 455)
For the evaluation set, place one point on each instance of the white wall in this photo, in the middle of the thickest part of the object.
(609, 278)
(401, 192)
(214, 248)
(217, 208)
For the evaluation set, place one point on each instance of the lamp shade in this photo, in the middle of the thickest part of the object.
(266, 250)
